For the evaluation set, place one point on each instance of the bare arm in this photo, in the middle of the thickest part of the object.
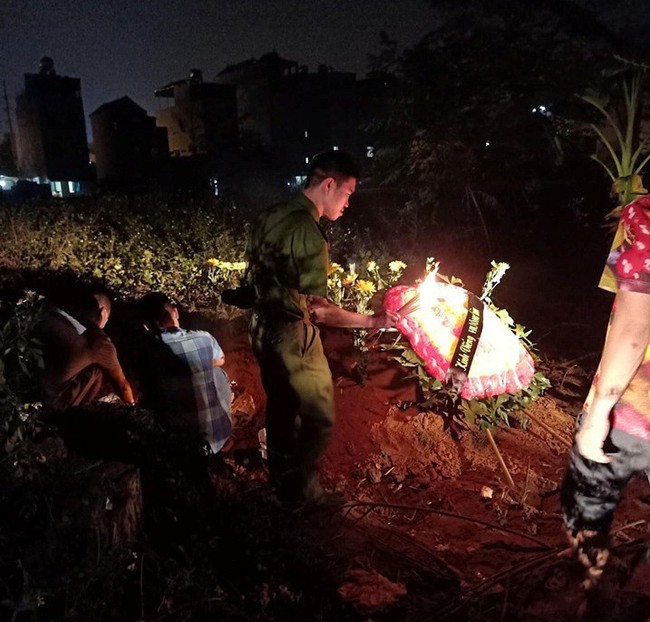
(121, 384)
(625, 346)
(322, 311)
(127, 392)
(219, 362)
(102, 352)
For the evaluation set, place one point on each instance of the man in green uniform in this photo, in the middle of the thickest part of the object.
(288, 262)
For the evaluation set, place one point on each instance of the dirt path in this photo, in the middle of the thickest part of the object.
(430, 511)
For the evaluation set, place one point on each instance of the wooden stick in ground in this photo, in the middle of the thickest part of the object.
(504, 468)
(549, 429)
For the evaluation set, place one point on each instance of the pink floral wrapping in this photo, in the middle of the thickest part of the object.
(501, 364)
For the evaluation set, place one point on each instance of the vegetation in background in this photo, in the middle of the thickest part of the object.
(463, 150)
(355, 290)
(625, 148)
(191, 250)
(18, 369)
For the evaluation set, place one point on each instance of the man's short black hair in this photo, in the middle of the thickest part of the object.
(153, 309)
(81, 300)
(335, 163)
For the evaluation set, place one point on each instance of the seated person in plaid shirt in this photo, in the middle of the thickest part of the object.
(186, 381)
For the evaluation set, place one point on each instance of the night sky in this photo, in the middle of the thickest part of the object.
(131, 47)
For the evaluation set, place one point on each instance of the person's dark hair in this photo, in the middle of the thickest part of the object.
(153, 309)
(80, 301)
(337, 164)
(82, 306)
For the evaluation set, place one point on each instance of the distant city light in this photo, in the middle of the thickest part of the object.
(543, 110)
(296, 181)
(7, 183)
(370, 151)
(335, 147)
(487, 143)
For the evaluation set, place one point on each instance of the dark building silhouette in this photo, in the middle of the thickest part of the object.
(203, 118)
(258, 125)
(128, 145)
(202, 132)
(256, 82)
(51, 131)
(294, 114)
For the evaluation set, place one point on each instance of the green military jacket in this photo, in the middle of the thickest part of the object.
(288, 259)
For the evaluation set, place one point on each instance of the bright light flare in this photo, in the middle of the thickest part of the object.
(427, 289)
(430, 292)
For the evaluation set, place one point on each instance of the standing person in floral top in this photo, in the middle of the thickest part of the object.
(613, 439)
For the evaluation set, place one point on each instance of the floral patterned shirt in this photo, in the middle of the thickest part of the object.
(629, 264)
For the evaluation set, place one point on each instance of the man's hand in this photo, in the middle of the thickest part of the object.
(322, 311)
(386, 319)
(319, 309)
(127, 393)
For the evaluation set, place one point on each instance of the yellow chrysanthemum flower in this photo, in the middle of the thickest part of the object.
(213, 263)
(349, 278)
(367, 287)
(371, 266)
(396, 266)
(335, 269)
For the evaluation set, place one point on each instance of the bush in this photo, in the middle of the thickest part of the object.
(18, 410)
(132, 246)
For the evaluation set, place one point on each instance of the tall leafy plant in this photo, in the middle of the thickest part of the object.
(625, 148)
(18, 364)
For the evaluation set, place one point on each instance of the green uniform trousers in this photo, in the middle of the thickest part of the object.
(300, 403)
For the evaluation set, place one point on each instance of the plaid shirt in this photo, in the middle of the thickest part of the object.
(201, 389)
